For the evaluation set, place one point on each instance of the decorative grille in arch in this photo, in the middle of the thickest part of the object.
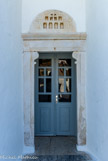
(53, 20)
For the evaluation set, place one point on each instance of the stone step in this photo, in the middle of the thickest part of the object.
(58, 158)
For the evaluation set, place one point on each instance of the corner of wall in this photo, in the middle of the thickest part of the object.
(84, 148)
(28, 150)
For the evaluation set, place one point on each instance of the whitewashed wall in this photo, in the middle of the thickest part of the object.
(97, 78)
(75, 8)
(11, 114)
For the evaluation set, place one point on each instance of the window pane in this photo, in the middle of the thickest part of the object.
(68, 85)
(64, 62)
(61, 72)
(48, 85)
(48, 72)
(41, 85)
(64, 98)
(41, 72)
(61, 85)
(44, 62)
(68, 72)
(44, 98)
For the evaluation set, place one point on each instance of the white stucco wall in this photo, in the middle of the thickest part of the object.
(11, 114)
(75, 8)
(97, 78)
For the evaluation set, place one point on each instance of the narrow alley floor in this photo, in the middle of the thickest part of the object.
(57, 149)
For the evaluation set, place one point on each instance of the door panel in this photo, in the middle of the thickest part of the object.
(45, 115)
(63, 119)
(64, 94)
(55, 112)
(44, 102)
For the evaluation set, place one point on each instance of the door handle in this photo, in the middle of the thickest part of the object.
(56, 98)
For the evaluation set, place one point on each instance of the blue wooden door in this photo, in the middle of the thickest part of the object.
(55, 108)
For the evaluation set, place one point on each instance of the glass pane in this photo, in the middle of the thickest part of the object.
(48, 85)
(61, 85)
(41, 72)
(61, 72)
(48, 72)
(64, 98)
(68, 72)
(44, 62)
(64, 62)
(68, 85)
(44, 98)
(41, 85)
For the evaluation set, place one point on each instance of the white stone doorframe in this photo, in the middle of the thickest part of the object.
(29, 56)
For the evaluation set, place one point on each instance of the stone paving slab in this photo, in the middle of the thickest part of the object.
(55, 146)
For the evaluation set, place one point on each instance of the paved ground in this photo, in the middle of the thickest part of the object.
(57, 149)
(55, 146)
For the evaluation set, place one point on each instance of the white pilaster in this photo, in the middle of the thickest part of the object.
(81, 105)
(28, 94)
